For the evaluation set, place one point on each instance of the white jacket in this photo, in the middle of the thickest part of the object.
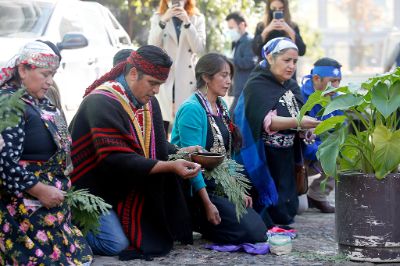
(192, 42)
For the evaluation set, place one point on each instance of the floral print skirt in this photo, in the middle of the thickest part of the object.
(31, 234)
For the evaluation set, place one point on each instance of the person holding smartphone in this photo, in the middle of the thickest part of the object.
(179, 28)
(277, 23)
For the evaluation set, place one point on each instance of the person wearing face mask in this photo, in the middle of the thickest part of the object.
(273, 26)
(179, 28)
(326, 71)
(243, 57)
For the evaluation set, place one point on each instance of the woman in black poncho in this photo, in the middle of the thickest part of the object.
(266, 115)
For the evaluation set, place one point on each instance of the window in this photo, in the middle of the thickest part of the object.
(88, 20)
(24, 18)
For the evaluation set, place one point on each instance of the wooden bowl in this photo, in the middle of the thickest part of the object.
(207, 160)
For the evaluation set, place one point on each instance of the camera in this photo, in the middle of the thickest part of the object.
(277, 14)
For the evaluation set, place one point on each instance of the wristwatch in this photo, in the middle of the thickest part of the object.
(162, 24)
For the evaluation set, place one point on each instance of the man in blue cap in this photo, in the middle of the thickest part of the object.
(326, 72)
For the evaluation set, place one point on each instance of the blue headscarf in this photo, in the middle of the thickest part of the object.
(275, 46)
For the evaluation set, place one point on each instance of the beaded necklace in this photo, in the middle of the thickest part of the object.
(289, 100)
(218, 141)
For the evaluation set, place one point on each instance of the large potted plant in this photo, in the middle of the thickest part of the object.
(361, 149)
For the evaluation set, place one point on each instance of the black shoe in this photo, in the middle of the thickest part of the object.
(323, 206)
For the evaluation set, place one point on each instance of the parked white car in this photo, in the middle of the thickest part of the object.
(87, 34)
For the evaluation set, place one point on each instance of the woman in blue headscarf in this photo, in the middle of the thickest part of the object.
(267, 117)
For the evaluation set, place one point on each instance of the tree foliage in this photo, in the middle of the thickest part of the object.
(215, 13)
(135, 16)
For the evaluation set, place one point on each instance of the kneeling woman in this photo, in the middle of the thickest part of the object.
(35, 164)
(203, 120)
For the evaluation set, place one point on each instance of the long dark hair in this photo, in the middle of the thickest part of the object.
(268, 13)
(209, 65)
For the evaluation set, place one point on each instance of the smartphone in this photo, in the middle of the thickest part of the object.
(277, 14)
(177, 2)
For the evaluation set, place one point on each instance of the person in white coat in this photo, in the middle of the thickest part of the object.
(179, 28)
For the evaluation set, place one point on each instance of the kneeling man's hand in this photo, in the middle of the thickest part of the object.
(186, 169)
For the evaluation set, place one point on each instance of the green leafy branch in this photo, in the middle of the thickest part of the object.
(11, 109)
(229, 180)
(228, 175)
(86, 209)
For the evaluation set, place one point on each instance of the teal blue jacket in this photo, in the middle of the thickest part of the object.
(190, 129)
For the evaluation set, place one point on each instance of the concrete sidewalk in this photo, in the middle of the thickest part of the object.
(315, 245)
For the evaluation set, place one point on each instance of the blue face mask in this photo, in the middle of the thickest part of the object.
(233, 34)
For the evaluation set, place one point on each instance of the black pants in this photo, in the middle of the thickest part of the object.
(251, 228)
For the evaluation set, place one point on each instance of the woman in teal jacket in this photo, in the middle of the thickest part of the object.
(203, 120)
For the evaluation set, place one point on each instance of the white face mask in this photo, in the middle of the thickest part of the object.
(233, 34)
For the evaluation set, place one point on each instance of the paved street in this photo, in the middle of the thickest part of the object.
(315, 245)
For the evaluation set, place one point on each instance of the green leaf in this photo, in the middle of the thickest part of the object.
(229, 180)
(11, 109)
(329, 123)
(342, 102)
(386, 98)
(329, 89)
(386, 156)
(315, 98)
(328, 151)
(349, 159)
(354, 88)
(86, 209)
(234, 185)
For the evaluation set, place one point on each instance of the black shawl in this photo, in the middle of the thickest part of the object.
(260, 95)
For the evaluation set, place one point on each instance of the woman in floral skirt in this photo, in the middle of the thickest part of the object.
(35, 221)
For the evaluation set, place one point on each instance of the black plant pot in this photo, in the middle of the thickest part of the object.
(368, 217)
